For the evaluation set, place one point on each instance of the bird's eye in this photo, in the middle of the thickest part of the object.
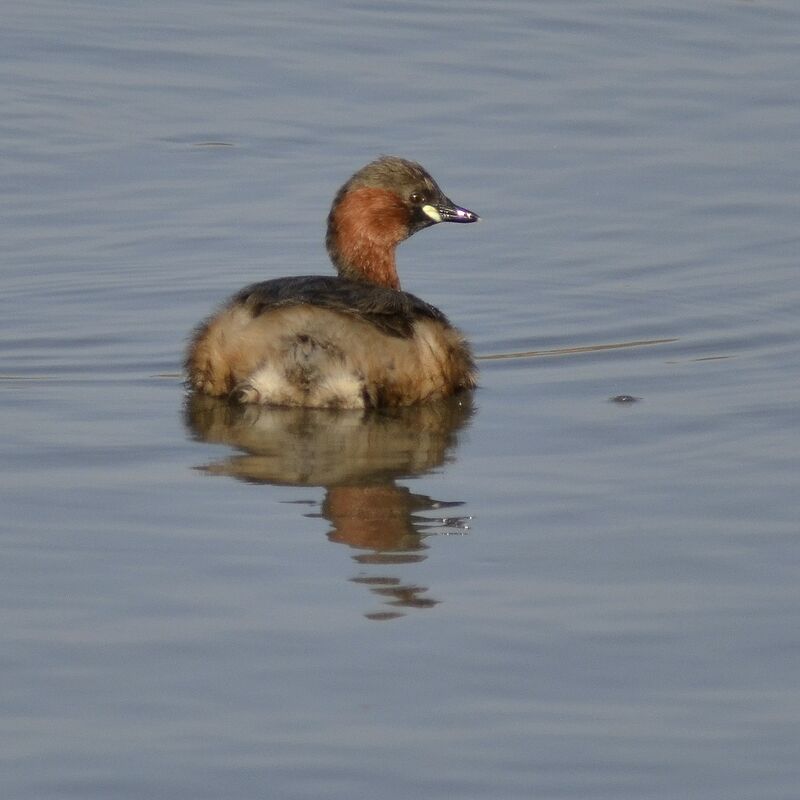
(417, 198)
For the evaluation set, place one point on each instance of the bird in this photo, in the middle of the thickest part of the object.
(354, 340)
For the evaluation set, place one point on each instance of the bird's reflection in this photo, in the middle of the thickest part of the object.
(357, 457)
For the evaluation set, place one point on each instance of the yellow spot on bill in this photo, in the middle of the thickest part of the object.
(433, 213)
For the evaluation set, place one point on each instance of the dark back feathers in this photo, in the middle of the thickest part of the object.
(392, 312)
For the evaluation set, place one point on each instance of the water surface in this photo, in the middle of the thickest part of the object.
(533, 591)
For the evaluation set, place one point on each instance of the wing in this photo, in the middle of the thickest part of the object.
(390, 311)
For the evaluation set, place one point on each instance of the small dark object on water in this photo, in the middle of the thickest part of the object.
(625, 398)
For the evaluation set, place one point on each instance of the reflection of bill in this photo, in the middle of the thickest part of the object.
(357, 457)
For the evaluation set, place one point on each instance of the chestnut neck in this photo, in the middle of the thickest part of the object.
(364, 227)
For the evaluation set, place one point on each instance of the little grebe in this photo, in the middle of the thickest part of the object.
(352, 341)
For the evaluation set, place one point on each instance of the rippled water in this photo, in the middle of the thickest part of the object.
(534, 591)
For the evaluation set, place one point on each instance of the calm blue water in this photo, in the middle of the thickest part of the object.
(535, 592)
